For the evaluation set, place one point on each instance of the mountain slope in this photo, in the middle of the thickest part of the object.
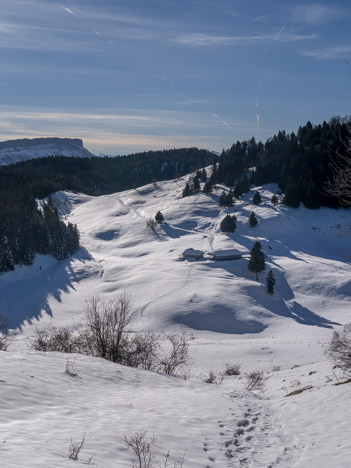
(14, 151)
(229, 315)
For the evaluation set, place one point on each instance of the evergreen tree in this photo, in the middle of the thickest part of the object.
(208, 187)
(228, 224)
(203, 174)
(196, 184)
(256, 263)
(252, 219)
(274, 200)
(222, 199)
(257, 199)
(245, 184)
(292, 195)
(270, 282)
(159, 217)
(186, 191)
(226, 199)
(238, 189)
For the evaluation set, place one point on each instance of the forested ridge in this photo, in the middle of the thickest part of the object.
(300, 163)
(26, 230)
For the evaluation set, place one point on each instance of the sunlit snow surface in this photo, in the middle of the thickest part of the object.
(229, 315)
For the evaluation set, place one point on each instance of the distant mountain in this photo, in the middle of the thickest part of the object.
(14, 151)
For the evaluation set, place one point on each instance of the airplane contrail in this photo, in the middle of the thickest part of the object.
(279, 32)
(69, 11)
(222, 121)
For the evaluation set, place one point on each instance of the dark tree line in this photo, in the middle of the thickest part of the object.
(300, 163)
(27, 232)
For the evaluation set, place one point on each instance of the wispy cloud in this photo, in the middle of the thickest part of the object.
(201, 40)
(329, 53)
(315, 14)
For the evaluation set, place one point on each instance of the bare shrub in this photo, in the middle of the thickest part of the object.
(255, 380)
(214, 378)
(171, 363)
(106, 334)
(232, 369)
(142, 351)
(339, 349)
(75, 448)
(211, 377)
(5, 336)
(72, 368)
(141, 446)
(63, 339)
(107, 323)
(151, 224)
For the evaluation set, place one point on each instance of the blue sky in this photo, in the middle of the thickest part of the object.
(134, 75)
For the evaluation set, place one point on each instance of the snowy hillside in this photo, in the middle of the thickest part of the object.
(13, 151)
(229, 315)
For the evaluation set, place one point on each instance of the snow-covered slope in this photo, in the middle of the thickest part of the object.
(229, 315)
(13, 151)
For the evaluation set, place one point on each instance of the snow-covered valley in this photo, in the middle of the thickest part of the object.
(228, 314)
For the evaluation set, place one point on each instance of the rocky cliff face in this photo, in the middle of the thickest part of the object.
(13, 151)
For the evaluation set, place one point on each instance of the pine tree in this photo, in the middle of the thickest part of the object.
(159, 217)
(256, 263)
(270, 281)
(208, 187)
(257, 199)
(196, 183)
(203, 174)
(222, 199)
(186, 191)
(252, 219)
(228, 224)
(292, 195)
(238, 189)
(274, 200)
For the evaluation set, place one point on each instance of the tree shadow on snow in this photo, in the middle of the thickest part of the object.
(27, 299)
(282, 305)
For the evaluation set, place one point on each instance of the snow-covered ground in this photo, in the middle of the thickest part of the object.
(229, 315)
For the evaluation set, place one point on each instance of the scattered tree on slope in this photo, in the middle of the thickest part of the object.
(257, 262)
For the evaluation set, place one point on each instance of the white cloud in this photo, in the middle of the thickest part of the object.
(316, 14)
(329, 53)
(200, 40)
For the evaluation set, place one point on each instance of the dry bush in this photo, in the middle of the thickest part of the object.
(5, 336)
(214, 378)
(63, 339)
(75, 448)
(232, 369)
(141, 446)
(72, 368)
(107, 323)
(151, 224)
(255, 380)
(106, 334)
(142, 351)
(339, 349)
(143, 452)
(172, 362)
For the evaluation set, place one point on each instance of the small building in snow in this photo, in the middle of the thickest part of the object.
(192, 253)
(231, 254)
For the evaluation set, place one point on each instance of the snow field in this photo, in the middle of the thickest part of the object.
(219, 303)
